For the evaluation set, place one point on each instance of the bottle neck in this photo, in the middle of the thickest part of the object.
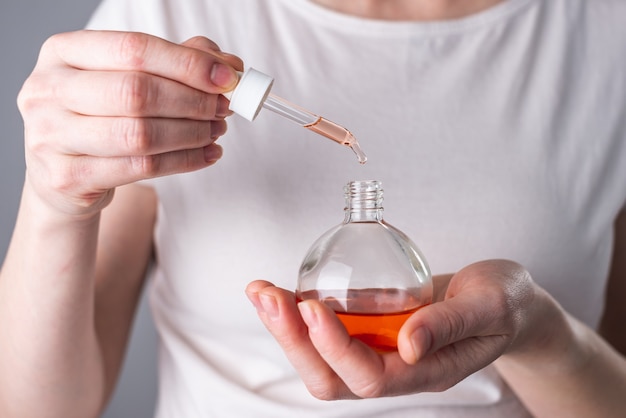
(363, 201)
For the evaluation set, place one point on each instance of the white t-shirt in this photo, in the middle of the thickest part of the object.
(500, 135)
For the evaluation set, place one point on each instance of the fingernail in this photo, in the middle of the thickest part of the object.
(308, 315)
(212, 153)
(223, 75)
(270, 307)
(421, 341)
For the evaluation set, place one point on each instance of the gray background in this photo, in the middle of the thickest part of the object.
(24, 25)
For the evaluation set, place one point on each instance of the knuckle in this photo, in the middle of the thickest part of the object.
(448, 373)
(51, 41)
(136, 134)
(65, 177)
(322, 395)
(190, 63)
(455, 326)
(370, 389)
(503, 309)
(35, 91)
(442, 385)
(205, 105)
(50, 45)
(145, 166)
(199, 134)
(290, 341)
(132, 50)
(36, 141)
(26, 100)
(324, 391)
(135, 92)
(501, 302)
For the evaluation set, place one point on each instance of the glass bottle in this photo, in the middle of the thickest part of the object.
(369, 272)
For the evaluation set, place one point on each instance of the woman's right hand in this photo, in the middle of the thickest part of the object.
(103, 109)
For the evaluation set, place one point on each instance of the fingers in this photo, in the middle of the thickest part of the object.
(103, 109)
(278, 311)
(136, 94)
(130, 51)
(334, 366)
(120, 93)
(438, 346)
(145, 136)
(114, 137)
(80, 178)
(360, 367)
(331, 364)
(370, 375)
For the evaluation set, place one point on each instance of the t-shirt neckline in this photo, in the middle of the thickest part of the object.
(358, 25)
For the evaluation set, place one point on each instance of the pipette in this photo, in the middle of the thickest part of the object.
(253, 92)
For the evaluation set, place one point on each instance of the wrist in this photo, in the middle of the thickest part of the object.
(550, 340)
(54, 208)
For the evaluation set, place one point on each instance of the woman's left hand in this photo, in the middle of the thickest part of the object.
(488, 309)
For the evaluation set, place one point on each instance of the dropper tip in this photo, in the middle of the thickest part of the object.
(360, 155)
(350, 141)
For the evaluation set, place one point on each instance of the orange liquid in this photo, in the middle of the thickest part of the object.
(373, 316)
(379, 331)
(338, 134)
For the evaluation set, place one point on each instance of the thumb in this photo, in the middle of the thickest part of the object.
(446, 323)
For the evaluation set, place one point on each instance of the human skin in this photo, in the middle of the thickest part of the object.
(489, 312)
(74, 271)
(71, 278)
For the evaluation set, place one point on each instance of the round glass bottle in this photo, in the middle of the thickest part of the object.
(369, 272)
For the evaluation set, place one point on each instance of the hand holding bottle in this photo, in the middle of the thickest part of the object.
(103, 109)
(487, 310)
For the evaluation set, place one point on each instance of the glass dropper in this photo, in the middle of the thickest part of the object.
(314, 123)
(253, 92)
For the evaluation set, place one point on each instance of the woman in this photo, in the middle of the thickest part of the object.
(496, 127)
